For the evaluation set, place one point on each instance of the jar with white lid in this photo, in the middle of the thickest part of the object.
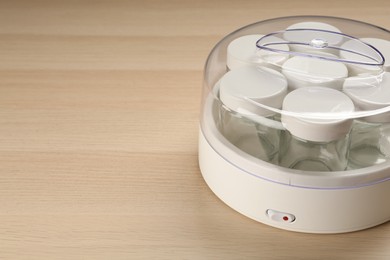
(311, 143)
(242, 51)
(303, 71)
(370, 136)
(309, 30)
(244, 123)
(358, 69)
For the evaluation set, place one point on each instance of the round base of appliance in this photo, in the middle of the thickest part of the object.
(302, 209)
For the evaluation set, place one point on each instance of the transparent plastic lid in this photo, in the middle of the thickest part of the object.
(320, 58)
(312, 78)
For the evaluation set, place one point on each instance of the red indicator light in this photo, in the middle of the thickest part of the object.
(280, 216)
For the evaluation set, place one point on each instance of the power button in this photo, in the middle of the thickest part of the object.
(280, 216)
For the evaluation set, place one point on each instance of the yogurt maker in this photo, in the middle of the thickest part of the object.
(295, 123)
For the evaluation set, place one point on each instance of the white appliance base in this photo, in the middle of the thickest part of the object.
(310, 210)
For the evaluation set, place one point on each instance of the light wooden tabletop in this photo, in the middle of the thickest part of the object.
(99, 106)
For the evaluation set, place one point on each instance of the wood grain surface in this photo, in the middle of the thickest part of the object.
(99, 107)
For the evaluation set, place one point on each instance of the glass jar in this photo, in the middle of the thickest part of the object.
(370, 141)
(313, 144)
(242, 121)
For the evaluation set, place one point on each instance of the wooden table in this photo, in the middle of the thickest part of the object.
(99, 107)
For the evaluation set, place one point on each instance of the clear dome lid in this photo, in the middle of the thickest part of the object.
(311, 58)
(313, 77)
(307, 54)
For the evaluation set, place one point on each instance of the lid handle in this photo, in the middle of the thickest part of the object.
(316, 40)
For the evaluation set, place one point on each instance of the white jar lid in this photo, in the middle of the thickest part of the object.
(308, 36)
(370, 93)
(304, 71)
(358, 69)
(243, 51)
(317, 102)
(262, 85)
(383, 46)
